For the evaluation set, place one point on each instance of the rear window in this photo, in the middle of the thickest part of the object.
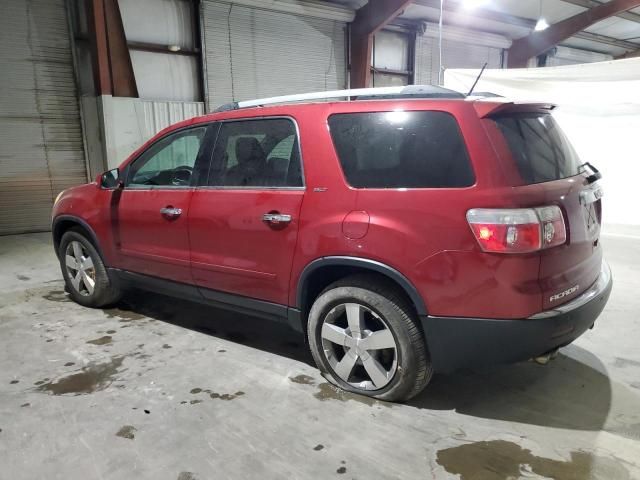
(539, 147)
(401, 150)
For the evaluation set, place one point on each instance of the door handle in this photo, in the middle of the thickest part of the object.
(171, 212)
(275, 218)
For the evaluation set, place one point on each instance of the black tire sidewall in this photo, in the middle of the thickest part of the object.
(104, 291)
(394, 316)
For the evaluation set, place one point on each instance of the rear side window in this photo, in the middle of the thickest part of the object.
(401, 150)
(257, 153)
(539, 147)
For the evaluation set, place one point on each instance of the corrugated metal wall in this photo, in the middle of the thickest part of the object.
(41, 146)
(253, 53)
(460, 49)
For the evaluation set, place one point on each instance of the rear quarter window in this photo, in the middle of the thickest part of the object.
(397, 149)
(539, 148)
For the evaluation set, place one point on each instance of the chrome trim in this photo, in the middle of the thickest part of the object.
(592, 194)
(596, 289)
(276, 218)
(171, 211)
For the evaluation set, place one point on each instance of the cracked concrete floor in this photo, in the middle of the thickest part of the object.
(160, 388)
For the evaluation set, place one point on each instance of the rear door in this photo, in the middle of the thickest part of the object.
(552, 173)
(243, 221)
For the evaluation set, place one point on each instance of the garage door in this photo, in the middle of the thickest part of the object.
(41, 149)
(460, 49)
(253, 53)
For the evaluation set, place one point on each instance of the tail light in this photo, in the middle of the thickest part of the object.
(517, 230)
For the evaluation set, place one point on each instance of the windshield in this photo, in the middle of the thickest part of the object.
(540, 149)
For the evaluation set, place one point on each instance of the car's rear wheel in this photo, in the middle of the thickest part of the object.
(86, 278)
(364, 337)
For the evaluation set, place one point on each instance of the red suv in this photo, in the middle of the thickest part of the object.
(407, 232)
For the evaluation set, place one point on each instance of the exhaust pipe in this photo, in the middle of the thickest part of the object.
(546, 358)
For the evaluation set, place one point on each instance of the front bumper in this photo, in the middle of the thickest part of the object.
(456, 343)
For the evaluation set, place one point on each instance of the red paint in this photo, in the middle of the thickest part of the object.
(221, 242)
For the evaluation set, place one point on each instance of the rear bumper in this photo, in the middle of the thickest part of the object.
(456, 343)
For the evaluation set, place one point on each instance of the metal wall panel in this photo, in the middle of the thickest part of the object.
(253, 52)
(41, 146)
(460, 49)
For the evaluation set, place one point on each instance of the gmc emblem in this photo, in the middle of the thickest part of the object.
(560, 295)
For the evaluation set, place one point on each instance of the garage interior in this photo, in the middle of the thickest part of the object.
(162, 388)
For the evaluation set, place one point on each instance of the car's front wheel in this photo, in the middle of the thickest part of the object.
(364, 337)
(86, 278)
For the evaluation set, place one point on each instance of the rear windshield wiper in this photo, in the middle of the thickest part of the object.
(593, 173)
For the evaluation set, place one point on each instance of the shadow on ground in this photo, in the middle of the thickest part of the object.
(567, 393)
(266, 335)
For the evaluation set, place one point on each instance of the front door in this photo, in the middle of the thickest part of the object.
(151, 214)
(243, 222)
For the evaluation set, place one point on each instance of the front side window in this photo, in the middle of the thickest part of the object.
(257, 153)
(400, 149)
(169, 162)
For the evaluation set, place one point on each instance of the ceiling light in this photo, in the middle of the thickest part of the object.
(174, 48)
(541, 24)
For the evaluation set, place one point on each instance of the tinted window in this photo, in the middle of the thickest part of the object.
(169, 162)
(256, 153)
(539, 148)
(401, 149)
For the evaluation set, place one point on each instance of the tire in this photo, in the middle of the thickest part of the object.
(105, 290)
(401, 372)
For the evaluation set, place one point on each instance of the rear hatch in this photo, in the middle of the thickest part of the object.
(548, 170)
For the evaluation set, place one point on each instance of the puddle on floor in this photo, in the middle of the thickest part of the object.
(56, 296)
(503, 460)
(123, 315)
(127, 431)
(302, 379)
(101, 341)
(91, 378)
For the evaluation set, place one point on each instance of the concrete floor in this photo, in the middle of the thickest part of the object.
(163, 389)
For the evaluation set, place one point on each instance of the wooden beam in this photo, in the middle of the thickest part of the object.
(369, 19)
(536, 43)
(633, 17)
(112, 69)
(122, 77)
(99, 48)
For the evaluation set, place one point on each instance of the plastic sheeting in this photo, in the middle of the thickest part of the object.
(598, 108)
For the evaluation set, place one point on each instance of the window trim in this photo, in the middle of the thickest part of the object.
(256, 188)
(127, 168)
(460, 131)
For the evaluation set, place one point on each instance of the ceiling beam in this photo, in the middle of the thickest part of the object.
(369, 19)
(456, 7)
(537, 43)
(633, 17)
(635, 53)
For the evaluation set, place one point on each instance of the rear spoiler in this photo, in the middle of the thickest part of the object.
(492, 107)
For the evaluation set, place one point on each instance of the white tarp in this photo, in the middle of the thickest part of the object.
(598, 108)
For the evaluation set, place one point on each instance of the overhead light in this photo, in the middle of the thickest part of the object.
(174, 48)
(470, 4)
(541, 24)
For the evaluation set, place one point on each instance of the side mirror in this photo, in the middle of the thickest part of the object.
(111, 179)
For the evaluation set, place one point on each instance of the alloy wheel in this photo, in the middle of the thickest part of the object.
(359, 346)
(80, 268)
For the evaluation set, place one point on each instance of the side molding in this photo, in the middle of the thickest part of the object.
(365, 263)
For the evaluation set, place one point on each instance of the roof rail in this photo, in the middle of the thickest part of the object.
(376, 93)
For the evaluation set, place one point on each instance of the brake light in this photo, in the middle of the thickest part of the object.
(517, 230)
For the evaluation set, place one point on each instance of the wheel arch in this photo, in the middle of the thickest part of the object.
(323, 271)
(63, 223)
